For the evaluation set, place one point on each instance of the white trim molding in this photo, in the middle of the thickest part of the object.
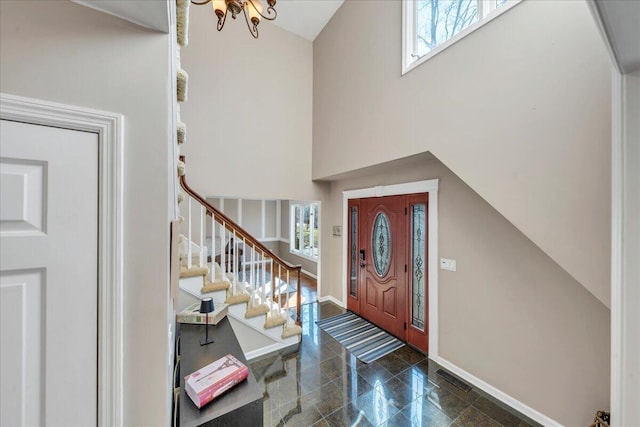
(429, 186)
(110, 130)
(617, 219)
(625, 240)
(498, 394)
(625, 250)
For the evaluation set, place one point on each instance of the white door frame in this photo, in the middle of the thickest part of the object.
(624, 243)
(109, 127)
(429, 186)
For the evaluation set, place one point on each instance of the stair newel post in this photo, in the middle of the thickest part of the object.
(298, 300)
(189, 249)
(213, 248)
(203, 245)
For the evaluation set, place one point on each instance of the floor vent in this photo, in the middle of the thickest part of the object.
(453, 380)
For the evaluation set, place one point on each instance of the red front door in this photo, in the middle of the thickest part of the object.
(383, 279)
(387, 264)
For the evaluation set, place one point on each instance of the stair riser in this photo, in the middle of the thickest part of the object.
(194, 284)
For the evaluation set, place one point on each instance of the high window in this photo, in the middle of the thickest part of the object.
(430, 26)
(304, 219)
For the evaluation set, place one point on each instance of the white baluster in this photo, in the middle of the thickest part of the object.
(189, 250)
(288, 305)
(251, 271)
(213, 248)
(223, 264)
(264, 281)
(233, 260)
(203, 245)
(244, 266)
(273, 280)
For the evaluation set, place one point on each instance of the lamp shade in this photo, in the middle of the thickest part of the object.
(254, 7)
(206, 305)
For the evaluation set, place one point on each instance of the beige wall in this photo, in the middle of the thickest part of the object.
(252, 217)
(67, 53)
(509, 315)
(520, 110)
(284, 220)
(271, 218)
(249, 111)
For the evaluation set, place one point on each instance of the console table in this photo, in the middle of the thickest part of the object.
(240, 406)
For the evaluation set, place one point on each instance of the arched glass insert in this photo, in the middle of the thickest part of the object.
(381, 244)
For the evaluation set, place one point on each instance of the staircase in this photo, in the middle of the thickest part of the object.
(262, 290)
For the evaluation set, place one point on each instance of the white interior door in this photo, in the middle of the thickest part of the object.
(48, 276)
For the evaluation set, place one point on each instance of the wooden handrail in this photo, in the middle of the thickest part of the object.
(231, 225)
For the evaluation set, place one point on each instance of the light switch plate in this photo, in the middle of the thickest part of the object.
(447, 264)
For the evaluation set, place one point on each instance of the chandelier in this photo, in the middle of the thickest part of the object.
(252, 10)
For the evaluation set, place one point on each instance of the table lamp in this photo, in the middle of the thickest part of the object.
(206, 307)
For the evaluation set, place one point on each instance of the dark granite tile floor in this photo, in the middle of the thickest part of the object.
(321, 384)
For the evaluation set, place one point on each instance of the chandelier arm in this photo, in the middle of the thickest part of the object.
(253, 29)
(200, 3)
(222, 18)
(271, 12)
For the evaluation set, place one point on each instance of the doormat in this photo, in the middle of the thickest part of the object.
(363, 339)
(454, 381)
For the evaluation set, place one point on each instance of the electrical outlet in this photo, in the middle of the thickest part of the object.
(447, 264)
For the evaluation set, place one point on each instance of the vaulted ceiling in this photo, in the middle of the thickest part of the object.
(305, 18)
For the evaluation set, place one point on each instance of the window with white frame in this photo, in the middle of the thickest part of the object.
(430, 26)
(303, 237)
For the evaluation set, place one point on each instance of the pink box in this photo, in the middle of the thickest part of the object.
(211, 381)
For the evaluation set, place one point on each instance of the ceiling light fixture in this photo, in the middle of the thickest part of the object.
(252, 10)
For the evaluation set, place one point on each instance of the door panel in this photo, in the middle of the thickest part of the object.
(21, 335)
(383, 233)
(48, 275)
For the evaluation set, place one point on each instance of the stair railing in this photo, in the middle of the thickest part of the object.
(236, 242)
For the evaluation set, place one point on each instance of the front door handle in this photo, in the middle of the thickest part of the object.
(362, 264)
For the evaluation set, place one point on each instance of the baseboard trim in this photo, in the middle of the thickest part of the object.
(265, 350)
(332, 299)
(498, 394)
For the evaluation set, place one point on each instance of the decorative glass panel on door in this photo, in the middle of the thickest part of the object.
(381, 244)
(353, 267)
(418, 260)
